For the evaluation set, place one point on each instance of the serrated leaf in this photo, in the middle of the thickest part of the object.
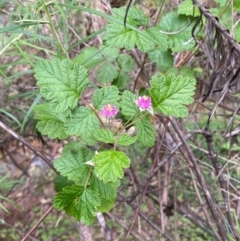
(145, 132)
(122, 81)
(109, 53)
(110, 165)
(72, 164)
(236, 5)
(126, 140)
(61, 82)
(88, 206)
(128, 105)
(107, 191)
(61, 182)
(89, 58)
(125, 62)
(160, 39)
(78, 202)
(237, 33)
(186, 8)
(50, 123)
(104, 96)
(163, 59)
(73, 146)
(83, 123)
(135, 16)
(104, 135)
(106, 205)
(170, 93)
(67, 196)
(117, 35)
(107, 73)
(179, 29)
(184, 71)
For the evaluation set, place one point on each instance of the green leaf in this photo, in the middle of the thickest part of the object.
(122, 81)
(61, 182)
(126, 140)
(78, 202)
(117, 36)
(89, 58)
(106, 205)
(61, 82)
(145, 132)
(88, 206)
(67, 196)
(184, 71)
(83, 123)
(72, 164)
(128, 105)
(110, 165)
(186, 8)
(107, 191)
(236, 5)
(109, 53)
(178, 28)
(104, 96)
(135, 16)
(163, 59)
(73, 146)
(170, 93)
(107, 73)
(104, 135)
(125, 62)
(50, 123)
(237, 33)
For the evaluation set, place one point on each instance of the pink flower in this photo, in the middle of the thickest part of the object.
(109, 110)
(145, 103)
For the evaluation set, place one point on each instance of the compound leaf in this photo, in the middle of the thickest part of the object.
(170, 93)
(72, 164)
(128, 105)
(61, 182)
(145, 132)
(83, 123)
(109, 53)
(107, 191)
(81, 203)
(104, 135)
(125, 62)
(89, 58)
(122, 80)
(186, 8)
(110, 164)
(126, 140)
(163, 59)
(178, 28)
(50, 123)
(107, 73)
(62, 82)
(104, 96)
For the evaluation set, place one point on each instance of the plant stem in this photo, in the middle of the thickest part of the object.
(53, 28)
